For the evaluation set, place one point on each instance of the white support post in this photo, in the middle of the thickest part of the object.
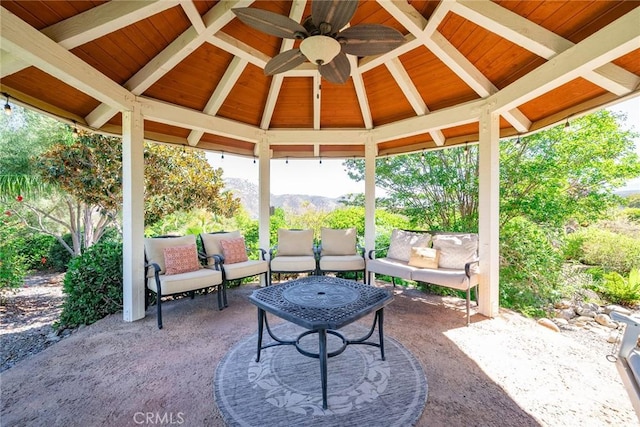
(133, 214)
(488, 212)
(264, 192)
(369, 195)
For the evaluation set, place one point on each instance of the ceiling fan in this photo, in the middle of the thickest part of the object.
(322, 41)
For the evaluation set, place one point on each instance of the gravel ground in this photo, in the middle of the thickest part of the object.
(27, 316)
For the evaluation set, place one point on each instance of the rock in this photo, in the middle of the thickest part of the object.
(618, 309)
(53, 337)
(605, 320)
(566, 313)
(562, 304)
(582, 319)
(548, 324)
(586, 310)
(613, 337)
(560, 321)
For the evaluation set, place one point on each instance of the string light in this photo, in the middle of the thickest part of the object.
(466, 147)
(287, 160)
(320, 160)
(75, 132)
(254, 160)
(7, 107)
(567, 126)
(518, 140)
(222, 155)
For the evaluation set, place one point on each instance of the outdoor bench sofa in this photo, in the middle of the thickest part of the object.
(436, 257)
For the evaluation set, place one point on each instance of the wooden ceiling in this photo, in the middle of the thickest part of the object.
(197, 71)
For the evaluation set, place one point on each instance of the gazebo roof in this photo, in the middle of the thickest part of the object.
(196, 71)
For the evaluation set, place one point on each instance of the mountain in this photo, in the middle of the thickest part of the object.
(247, 192)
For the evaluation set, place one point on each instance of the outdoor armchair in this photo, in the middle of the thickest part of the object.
(229, 250)
(340, 253)
(172, 266)
(294, 253)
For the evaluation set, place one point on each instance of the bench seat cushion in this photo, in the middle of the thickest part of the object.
(293, 263)
(341, 263)
(245, 269)
(185, 282)
(390, 267)
(449, 277)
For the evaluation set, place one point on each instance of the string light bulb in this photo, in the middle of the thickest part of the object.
(7, 107)
(75, 132)
(287, 160)
(320, 160)
(254, 160)
(222, 155)
(567, 126)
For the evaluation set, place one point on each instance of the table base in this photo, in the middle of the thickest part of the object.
(322, 354)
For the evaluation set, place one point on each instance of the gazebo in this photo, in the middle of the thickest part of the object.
(190, 73)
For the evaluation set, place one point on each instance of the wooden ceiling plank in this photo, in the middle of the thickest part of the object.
(21, 40)
(361, 93)
(539, 40)
(192, 13)
(104, 19)
(405, 83)
(228, 80)
(613, 41)
(181, 47)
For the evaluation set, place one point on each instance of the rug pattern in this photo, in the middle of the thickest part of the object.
(284, 389)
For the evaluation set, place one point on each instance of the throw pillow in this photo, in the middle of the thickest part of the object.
(211, 242)
(424, 257)
(456, 249)
(234, 250)
(338, 241)
(154, 249)
(181, 259)
(402, 241)
(295, 242)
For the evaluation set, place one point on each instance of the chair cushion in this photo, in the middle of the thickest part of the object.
(452, 278)
(234, 250)
(245, 269)
(293, 263)
(402, 241)
(424, 257)
(154, 249)
(341, 263)
(184, 282)
(338, 241)
(295, 242)
(181, 259)
(456, 249)
(390, 267)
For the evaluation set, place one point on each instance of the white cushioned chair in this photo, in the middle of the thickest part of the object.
(172, 266)
(294, 253)
(236, 265)
(339, 252)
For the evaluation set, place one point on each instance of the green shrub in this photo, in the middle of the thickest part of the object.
(36, 248)
(621, 290)
(609, 250)
(530, 268)
(59, 257)
(13, 266)
(93, 285)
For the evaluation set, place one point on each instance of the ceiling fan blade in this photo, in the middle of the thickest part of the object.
(270, 23)
(338, 13)
(369, 39)
(284, 61)
(338, 70)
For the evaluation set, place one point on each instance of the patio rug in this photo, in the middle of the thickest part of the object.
(284, 388)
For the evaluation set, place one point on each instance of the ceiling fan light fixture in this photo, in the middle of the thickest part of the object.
(320, 49)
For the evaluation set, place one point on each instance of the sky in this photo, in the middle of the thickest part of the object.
(330, 179)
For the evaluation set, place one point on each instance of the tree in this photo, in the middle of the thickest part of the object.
(75, 186)
(549, 177)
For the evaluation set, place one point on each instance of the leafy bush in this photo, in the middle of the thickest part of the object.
(620, 290)
(36, 248)
(530, 268)
(13, 266)
(93, 285)
(609, 250)
(59, 257)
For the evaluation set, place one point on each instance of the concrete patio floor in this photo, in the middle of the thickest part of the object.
(506, 371)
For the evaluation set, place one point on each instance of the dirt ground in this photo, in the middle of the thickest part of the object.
(507, 371)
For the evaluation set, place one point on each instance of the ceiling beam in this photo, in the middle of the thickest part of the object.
(540, 41)
(23, 41)
(179, 49)
(226, 83)
(95, 23)
(192, 13)
(174, 115)
(613, 41)
(361, 94)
